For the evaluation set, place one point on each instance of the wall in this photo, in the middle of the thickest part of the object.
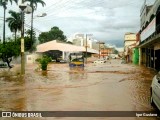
(31, 58)
(135, 58)
(129, 39)
(145, 17)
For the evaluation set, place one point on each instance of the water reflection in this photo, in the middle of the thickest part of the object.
(44, 73)
(101, 87)
(77, 74)
(12, 93)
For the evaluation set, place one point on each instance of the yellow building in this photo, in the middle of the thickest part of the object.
(129, 41)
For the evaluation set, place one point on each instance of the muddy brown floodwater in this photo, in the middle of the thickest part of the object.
(97, 87)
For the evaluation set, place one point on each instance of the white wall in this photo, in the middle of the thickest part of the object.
(31, 58)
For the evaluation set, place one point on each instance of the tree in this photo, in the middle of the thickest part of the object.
(54, 34)
(44, 62)
(115, 51)
(29, 44)
(35, 3)
(32, 4)
(14, 22)
(3, 3)
(8, 51)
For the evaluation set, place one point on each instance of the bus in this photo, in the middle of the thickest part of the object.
(76, 59)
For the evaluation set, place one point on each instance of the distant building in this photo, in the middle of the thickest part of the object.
(80, 40)
(130, 40)
(59, 50)
(106, 52)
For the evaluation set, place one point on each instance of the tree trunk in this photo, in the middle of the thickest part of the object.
(4, 23)
(8, 61)
(15, 35)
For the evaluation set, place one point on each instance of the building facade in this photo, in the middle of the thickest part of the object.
(149, 48)
(130, 40)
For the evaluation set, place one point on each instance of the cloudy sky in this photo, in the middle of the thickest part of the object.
(106, 20)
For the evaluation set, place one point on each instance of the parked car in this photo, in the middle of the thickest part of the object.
(3, 65)
(155, 91)
(63, 61)
(100, 61)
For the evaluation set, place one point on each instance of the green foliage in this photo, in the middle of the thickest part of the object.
(44, 62)
(8, 51)
(28, 33)
(29, 44)
(6, 1)
(14, 22)
(54, 34)
(35, 2)
(115, 51)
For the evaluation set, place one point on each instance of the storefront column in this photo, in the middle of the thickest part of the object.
(63, 55)
(140, 56)
(154, 59)
(150, 60)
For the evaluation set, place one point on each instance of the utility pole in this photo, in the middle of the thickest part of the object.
(86, 48)
(87, 45)
(99, 49)
(145, 2)
(31, 35)
(22, 7)
(4, 20)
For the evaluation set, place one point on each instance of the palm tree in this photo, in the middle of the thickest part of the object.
(32, 4)
(3, 3)
(14, 22)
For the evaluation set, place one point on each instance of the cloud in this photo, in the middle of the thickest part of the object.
(107, 20)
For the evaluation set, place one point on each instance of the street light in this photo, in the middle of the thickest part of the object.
(22, 7)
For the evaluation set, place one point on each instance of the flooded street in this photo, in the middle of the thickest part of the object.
(97, 87)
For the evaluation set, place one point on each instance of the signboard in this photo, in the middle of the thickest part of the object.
(22, 45)
(150, 29)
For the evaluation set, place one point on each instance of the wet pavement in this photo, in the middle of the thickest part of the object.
(97, 87)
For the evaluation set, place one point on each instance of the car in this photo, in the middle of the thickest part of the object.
(53, 60)
(3, 65)
(63, 61)
(100, 61)
(155, 91)
(107, 58)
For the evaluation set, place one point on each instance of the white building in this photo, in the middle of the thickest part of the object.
(80, 40)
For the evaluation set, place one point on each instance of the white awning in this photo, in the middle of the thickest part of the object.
(54, 45)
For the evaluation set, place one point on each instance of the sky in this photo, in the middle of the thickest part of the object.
(105, 20)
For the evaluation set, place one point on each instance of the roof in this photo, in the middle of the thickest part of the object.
(129, 33)
(54, 45)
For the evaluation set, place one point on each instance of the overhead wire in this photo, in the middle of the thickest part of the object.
(33, 28)
(66, 10)
(63, 6)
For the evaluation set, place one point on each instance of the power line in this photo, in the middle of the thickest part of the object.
(33, 28)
